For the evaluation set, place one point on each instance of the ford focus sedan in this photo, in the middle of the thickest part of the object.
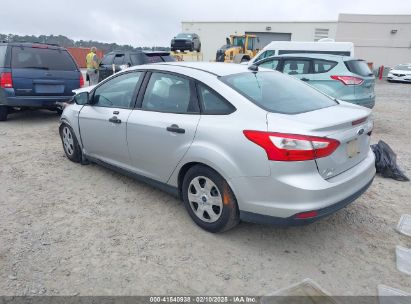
(233, 143)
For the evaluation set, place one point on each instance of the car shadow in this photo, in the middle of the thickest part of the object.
(32, 116)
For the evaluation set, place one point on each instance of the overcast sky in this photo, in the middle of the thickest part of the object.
(155, 22)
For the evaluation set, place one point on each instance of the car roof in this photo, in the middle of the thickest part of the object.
(31, 44)
(316, 56)
(215, 68)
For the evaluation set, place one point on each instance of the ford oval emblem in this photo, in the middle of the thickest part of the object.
(360, 132)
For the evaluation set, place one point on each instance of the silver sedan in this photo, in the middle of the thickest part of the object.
(234, 142)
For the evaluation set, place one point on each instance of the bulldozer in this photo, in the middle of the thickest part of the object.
(239, 48)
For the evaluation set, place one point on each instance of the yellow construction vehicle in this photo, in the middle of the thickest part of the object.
(239, 48)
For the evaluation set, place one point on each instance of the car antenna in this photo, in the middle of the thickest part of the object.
(253, 68)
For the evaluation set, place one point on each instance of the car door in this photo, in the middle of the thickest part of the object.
(298, 67)
(163, 126)
(103, 122)
(106, 66)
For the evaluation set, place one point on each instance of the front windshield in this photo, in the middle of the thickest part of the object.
(278, 93)
(403, 67)
(185, 36)
(239, 41)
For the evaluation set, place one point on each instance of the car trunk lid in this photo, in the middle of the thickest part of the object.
(349, 124)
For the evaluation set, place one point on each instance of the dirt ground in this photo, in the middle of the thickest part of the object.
(67, 229)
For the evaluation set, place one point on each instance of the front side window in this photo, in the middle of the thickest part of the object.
(42, 58)
(270, 64)
(322, 66)
(212, 103)
(118, 92)
(278, 93)
(168, 93)
(296, 67)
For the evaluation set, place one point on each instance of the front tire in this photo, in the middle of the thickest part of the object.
(70, 143)
(209, 199)
(4, 111)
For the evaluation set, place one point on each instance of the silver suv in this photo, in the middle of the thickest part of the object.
(233, 143)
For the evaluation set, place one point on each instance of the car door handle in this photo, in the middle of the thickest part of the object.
(114, 119)
(175, 129)
(305, 79)
(116, 112)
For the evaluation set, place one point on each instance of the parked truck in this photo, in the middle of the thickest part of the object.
(239, 48)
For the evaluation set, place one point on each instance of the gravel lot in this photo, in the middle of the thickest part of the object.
(68, 229)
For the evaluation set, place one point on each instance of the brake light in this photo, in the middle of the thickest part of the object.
(81, 80)
(6, 81)
(292, 147)
(348, 80)
(39, 46)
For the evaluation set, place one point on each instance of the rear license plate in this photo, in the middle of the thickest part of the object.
(353, 148)
(49, 88)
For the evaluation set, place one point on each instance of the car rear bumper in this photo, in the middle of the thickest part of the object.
(299, 188)
(35, 101)
(365, 102)
(399, 79)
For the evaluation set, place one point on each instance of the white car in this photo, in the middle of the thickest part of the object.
(401, 73)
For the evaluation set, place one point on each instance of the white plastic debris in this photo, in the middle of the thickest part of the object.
(307, 291)
(403, 259)
(404, 225)
(389, 295)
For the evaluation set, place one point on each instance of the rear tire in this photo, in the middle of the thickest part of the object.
(4, 111)
(70, 143)
(209, 199)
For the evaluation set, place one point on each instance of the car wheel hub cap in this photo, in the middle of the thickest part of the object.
(68, 141)
(205, 199)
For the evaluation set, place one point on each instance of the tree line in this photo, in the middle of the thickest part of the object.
(67, 42)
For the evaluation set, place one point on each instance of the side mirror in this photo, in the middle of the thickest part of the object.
(82, 98)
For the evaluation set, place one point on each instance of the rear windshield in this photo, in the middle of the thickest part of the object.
(3, 49)
(278, 93)
(153, 58)
(359, 67)
(39, 58)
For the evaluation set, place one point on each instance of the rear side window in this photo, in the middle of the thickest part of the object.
(118, 59)
(212, 103)
(322, 66)
(168, 58)
(278, 93)
(359, 67)
(39, 58)
(3, 50)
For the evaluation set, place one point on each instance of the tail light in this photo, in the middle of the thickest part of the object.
(6, 81)
(81, 80)
(348, 80)
(292, 147)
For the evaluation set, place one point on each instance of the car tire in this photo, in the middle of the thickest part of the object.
(4, 111)
(70, 143)
(209, 199)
